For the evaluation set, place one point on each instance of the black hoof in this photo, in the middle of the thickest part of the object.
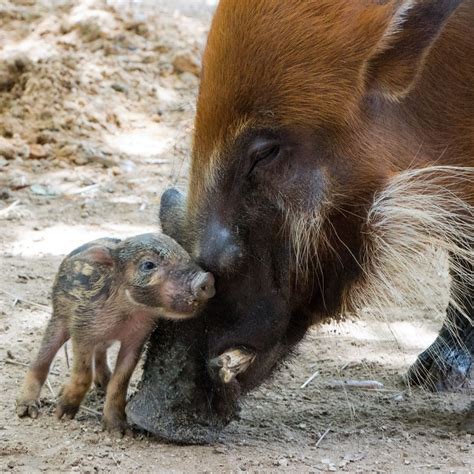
(448, 364)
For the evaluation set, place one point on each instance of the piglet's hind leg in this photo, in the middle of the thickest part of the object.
(81, 378)
(114, 419)
(101, 368)
(56, 334)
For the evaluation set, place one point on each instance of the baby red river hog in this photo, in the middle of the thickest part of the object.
(112, 290)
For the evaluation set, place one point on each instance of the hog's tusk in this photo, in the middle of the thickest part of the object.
(232, 362)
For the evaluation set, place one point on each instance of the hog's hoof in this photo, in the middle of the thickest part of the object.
(443, 368)
(66, 410)
(27, 408)
(181, 425)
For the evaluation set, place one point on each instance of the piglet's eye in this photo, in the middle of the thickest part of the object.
(147, 266)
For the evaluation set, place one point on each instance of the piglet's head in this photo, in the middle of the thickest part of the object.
(159, 275)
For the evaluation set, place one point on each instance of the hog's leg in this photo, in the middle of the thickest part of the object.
(101, 368)
(449, 362)
(173, 400)
(73, 393)
(114, 418)
(55, 336)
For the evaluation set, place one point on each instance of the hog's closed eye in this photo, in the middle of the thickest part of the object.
(147, 266)
(264, 149)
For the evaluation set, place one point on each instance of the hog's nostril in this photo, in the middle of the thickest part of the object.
(203, 286)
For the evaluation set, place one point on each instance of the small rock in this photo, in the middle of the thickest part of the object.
(5, 194)
(127, 166)
(185, 62)
(37, 152)
(220, 450)
(283, 462)
(11, 149)
(353, 457)
(189, 79)
(42, 190)
(119, 87)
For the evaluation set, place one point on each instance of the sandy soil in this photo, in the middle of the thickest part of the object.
(96, 107)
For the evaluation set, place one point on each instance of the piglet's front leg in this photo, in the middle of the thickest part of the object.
(114, 419)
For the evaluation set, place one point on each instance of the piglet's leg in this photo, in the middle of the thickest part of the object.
(101, 368)
(56, 335)
(114, 419)
(81, 378)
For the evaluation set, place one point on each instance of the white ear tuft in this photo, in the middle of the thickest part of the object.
(400, 55)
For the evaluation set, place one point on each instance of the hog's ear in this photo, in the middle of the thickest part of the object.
(172, 215)
(399, 56)
(98, 255)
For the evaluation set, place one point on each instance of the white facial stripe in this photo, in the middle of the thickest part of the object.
(163, 312)
(136, 303)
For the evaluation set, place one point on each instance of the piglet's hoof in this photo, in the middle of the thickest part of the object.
(25, 408)
(116, 426)
(66, 410)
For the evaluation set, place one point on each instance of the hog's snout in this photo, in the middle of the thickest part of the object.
(203, 286)
(220, 250)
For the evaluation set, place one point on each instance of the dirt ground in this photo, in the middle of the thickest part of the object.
(96, 109)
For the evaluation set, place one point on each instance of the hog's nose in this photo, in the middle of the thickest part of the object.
(203, 286)
(220, 251)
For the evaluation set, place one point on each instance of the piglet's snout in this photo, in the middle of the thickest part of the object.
(203, 287)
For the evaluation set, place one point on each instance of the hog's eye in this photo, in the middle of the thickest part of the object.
(147, 266)
(263, 149)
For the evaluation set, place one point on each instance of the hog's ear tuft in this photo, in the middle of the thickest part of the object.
(172, 214)
(400, 55)
(98, 255)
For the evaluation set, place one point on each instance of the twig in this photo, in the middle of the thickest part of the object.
(16, 299)
(322, 437)
(53, 393)
(363, 384)
(308, 381)
(130, 457)
(432, 466)
(90, 410)
(155, 161)
(7, 209)
(66, 354)
(23, 364)
(344, 367)
(83, 190)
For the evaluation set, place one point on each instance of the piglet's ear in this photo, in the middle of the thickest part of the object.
(98, 255)
(400, 55)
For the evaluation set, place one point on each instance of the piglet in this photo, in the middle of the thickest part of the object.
(112, 290)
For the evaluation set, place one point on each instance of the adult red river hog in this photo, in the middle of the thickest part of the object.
(333, 149)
